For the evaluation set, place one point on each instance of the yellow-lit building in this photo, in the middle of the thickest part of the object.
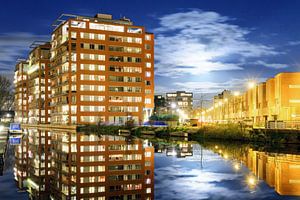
(271, 104)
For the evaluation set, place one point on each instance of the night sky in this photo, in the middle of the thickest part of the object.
(201, 46)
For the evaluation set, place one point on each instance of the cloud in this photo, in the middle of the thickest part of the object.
(215, 87)
(16, 45)
(293, 43)
(271, 65)
(197, 42)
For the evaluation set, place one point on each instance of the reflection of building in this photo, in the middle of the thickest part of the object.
(85, 166)
(180, 100)
(274, 104)
(278, 170)
(281, 171)
(102, 71)
(7, 116)
(179, 149)
(21, 162)
(185, 149)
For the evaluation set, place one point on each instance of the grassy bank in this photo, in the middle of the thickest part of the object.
(224, 132)
(228, 132)
(234, 132)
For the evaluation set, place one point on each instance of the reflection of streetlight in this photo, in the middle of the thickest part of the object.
(251, 181)
(225, 156)
(236, 166)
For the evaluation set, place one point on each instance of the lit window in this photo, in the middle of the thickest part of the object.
(148, 74)
(148, 154)
(148, 37)
(148, 190)
(147, 101)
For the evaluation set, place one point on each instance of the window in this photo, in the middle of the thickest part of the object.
(147, 37)
(148, 74)
(148, 55)
(147, 101)
(134, 30)
(148, 65)
(106, 27)
(147, 154)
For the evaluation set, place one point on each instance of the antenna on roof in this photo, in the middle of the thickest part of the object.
(20, 60)
(62, 18)
(37, 43)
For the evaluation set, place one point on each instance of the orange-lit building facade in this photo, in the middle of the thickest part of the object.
(65, 164)
(278, 170)
(271, 104)
(281, 171)
(38, 84)
(21, 89)
(102, 71)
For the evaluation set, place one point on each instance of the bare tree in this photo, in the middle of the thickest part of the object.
(6, 93)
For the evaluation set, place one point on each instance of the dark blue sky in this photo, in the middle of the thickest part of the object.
(201, 46)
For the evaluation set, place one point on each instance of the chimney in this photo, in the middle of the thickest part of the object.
(103, 16)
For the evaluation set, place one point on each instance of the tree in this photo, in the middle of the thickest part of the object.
(6, 93)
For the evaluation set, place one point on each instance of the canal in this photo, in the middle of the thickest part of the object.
(65, 164)
(214, 170)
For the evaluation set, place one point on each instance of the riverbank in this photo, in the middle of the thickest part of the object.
(228, 132)
(234, 132)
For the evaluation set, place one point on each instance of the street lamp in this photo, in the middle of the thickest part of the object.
(173, 105)
(251, 84)
(236, 93)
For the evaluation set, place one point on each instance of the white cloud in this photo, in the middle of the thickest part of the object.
(216, 87)
(197, 42)
(15, 45)
(293, 43)
(271, 65)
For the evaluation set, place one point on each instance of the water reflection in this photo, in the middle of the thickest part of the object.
(225, 171)
(279, 169)
(65, 164)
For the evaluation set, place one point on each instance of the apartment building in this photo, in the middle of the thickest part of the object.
(21, 88)
(65, 164)
(38, 83)
(273, 104)
(102, 71)
(180, 100)
(160, 105)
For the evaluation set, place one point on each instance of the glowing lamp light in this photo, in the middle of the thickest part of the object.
(251, 85)
(173, 105)
(236, 93)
